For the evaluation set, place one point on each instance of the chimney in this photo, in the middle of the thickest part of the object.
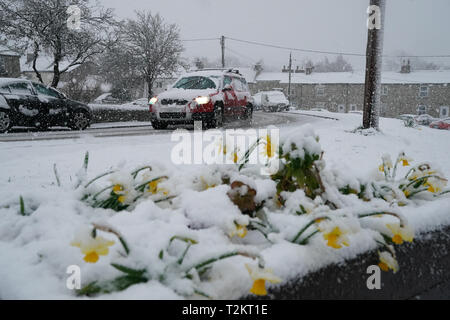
(406, 67)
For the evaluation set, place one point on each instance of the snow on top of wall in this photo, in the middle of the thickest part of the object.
(358, 77)
(43, 64)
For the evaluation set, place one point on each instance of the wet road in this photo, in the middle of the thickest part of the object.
(260, 120)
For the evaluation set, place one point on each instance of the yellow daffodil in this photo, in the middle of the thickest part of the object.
(404, 159)
(93, 248)
(153, 186)
(400, 234)
(154, 189)
(259, 277)
(406, 192)
(235, 157)
(381, 168)
(240, 231)
(269, 148)
(387, 262)
(223, 149)
(435, 185)
(336, 238)
(206, 185)
(122, 199)
(118, 188)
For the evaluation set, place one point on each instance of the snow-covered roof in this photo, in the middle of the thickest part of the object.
(358, 77)
(43, 64)
(5, 51)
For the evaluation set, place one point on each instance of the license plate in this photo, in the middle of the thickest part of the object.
(173, 109)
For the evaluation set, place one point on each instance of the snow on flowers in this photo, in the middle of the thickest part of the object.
(233, 212)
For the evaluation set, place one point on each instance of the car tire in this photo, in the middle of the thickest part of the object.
(80, 120)
(249, 115)
(159, 125)
(5, 121)
(217, 121)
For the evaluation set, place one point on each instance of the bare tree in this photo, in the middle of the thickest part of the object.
(338, 65)
(42, 26)
(155, 46)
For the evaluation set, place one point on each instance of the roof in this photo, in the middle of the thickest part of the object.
(43, 64)
(5, 51)
(425, 76)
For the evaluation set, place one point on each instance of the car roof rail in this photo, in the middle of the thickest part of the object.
(232, 70)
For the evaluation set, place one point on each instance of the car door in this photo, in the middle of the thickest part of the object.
(229, 96)
(21, 99)
(245, 95)
(240, 97)
(52, 102)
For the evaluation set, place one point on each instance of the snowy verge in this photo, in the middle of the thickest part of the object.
(202, 206)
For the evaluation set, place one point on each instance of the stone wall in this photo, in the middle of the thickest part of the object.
(424, 274)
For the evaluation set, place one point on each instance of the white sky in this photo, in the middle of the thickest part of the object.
(419, 27)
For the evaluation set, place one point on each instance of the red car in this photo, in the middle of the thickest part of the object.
(210, 96)
(441, 124)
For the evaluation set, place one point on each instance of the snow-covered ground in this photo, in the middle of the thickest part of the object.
(35, 250)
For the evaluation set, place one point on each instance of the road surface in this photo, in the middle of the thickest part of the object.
(260, 120)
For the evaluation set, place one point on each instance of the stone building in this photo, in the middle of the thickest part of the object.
(407, 92)
(9, 63)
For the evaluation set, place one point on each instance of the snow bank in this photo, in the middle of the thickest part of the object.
(199, 213)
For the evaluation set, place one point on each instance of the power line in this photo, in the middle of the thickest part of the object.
(205, 39)
(238, 54)
(332, 52)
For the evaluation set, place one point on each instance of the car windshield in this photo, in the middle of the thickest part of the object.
(195, 83)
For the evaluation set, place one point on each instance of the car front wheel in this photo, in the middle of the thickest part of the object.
(5, 121)
(218, 118)
(80, 120)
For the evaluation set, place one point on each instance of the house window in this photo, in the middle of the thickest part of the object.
(320, 105)
(444, 111)
(353, 107)
(384, 90)
(2, 67)
(320, 91)
(421, 109)
(423, 91)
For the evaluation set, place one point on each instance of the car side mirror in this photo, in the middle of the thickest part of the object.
(227, 87)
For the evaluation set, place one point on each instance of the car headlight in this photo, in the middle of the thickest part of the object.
(153, 100)
(202, 100)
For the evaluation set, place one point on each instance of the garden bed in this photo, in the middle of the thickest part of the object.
(139, 225)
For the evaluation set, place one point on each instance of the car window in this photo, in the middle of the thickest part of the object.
(227, 80)
(195, 83)
(244, 85)
(43, 90)
(21, 88)
(237, 84)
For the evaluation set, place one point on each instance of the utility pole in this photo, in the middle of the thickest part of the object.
(290, 77)
(372, 91)
(222, 44)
